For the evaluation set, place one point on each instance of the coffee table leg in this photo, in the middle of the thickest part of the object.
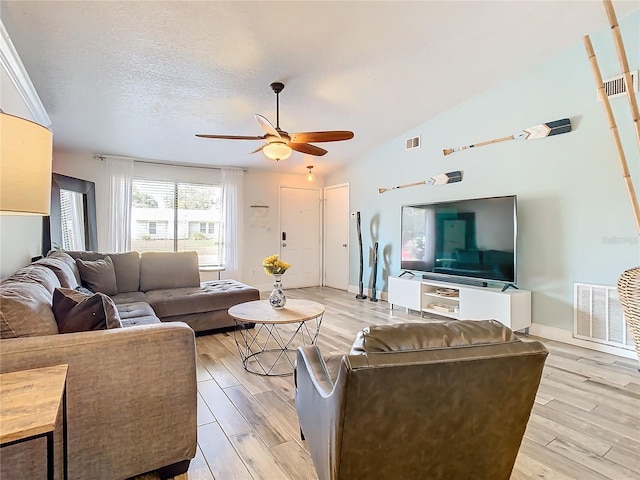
(251, 347)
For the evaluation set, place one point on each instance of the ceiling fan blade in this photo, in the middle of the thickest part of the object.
(329, 136)
(259, 149)
(306, 148)
(230, 137)
(267, 126)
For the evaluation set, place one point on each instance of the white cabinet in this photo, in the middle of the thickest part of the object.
(463, 302)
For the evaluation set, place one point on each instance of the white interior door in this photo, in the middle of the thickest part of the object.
(336, 236)
(300, 236)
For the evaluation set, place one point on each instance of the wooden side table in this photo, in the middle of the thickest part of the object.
(29, 405)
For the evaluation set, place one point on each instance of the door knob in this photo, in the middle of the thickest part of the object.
(344, 244)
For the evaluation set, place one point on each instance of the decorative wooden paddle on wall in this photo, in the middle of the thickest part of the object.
(537, 131)
(442, 179)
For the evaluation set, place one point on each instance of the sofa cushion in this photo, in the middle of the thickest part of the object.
(211, 296)
(25, 309)
(162, 270)
(135, 309)
(129, 297)
(68, 259)
(126, 266)
(78, 312)
(421, 336)
(66, 276)
(36, 274)
(137, 313)
(98, 275)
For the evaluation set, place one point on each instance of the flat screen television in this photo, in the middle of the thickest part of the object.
(454, 240)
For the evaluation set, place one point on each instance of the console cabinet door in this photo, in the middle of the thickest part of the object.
(512, 309)
(405, 293)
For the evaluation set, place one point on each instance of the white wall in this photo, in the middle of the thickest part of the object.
(261, 235)
(574, 217)
(20, 236)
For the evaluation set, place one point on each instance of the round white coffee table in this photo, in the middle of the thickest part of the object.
(269, 348)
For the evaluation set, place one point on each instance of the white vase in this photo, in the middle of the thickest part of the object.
(277, 299)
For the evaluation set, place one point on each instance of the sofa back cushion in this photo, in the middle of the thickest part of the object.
(432, 335)
(36, 274)
(98, 275)
(79, 312)
(126, 266)
(61, 269)
(160, 270)
(68, 259)
(25, 308)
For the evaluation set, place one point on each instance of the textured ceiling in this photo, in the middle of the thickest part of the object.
(140, 78)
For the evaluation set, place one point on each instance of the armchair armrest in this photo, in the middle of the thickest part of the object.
(320, 404)
(309, 356)
(131, 398)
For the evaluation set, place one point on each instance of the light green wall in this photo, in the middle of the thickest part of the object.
(575, 222)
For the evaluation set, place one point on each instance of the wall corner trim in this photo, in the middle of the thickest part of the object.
(12, 64)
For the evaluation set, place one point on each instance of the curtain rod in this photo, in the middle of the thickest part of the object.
(151, 162)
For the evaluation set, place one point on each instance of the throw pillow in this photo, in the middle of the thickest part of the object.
(79, 312)
(98, 275)
(82, 289)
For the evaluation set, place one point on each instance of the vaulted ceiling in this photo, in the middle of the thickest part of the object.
(141, 78)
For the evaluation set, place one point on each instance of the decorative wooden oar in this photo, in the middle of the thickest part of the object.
(624, 65)
(537, 131)
(613, 127)
(442, 179)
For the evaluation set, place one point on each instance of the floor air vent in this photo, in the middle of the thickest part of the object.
(615, 86)
(597, 316)
(412, 143)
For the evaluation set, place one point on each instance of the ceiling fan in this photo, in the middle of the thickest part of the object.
(279, 144)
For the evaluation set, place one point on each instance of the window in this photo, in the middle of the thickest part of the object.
(177, 217)
(71, 219)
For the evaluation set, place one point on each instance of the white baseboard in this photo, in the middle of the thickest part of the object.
(379, 295)
(550, 333)
(566, 336)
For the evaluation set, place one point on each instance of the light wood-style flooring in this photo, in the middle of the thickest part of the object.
(585, 424)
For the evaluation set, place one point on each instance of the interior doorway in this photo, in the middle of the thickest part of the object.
(336, 236)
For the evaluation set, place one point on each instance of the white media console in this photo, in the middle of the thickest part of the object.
(511, 307)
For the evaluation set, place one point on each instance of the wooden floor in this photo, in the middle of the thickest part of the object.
(585, 423)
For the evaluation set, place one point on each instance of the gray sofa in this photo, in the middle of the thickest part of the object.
(131, 392)
(170, 284)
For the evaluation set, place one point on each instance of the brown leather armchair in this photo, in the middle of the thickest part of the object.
(419, 401)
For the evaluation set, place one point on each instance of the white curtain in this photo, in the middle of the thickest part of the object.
(120, 173)
(232, 195)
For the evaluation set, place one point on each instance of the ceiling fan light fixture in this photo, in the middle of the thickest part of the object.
(277, 150)
(310, 176)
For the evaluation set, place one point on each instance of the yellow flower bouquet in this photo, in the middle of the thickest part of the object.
(274, 266)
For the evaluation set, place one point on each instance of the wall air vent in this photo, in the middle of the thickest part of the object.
(615, 86)
(412, 143)
(598, 316)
